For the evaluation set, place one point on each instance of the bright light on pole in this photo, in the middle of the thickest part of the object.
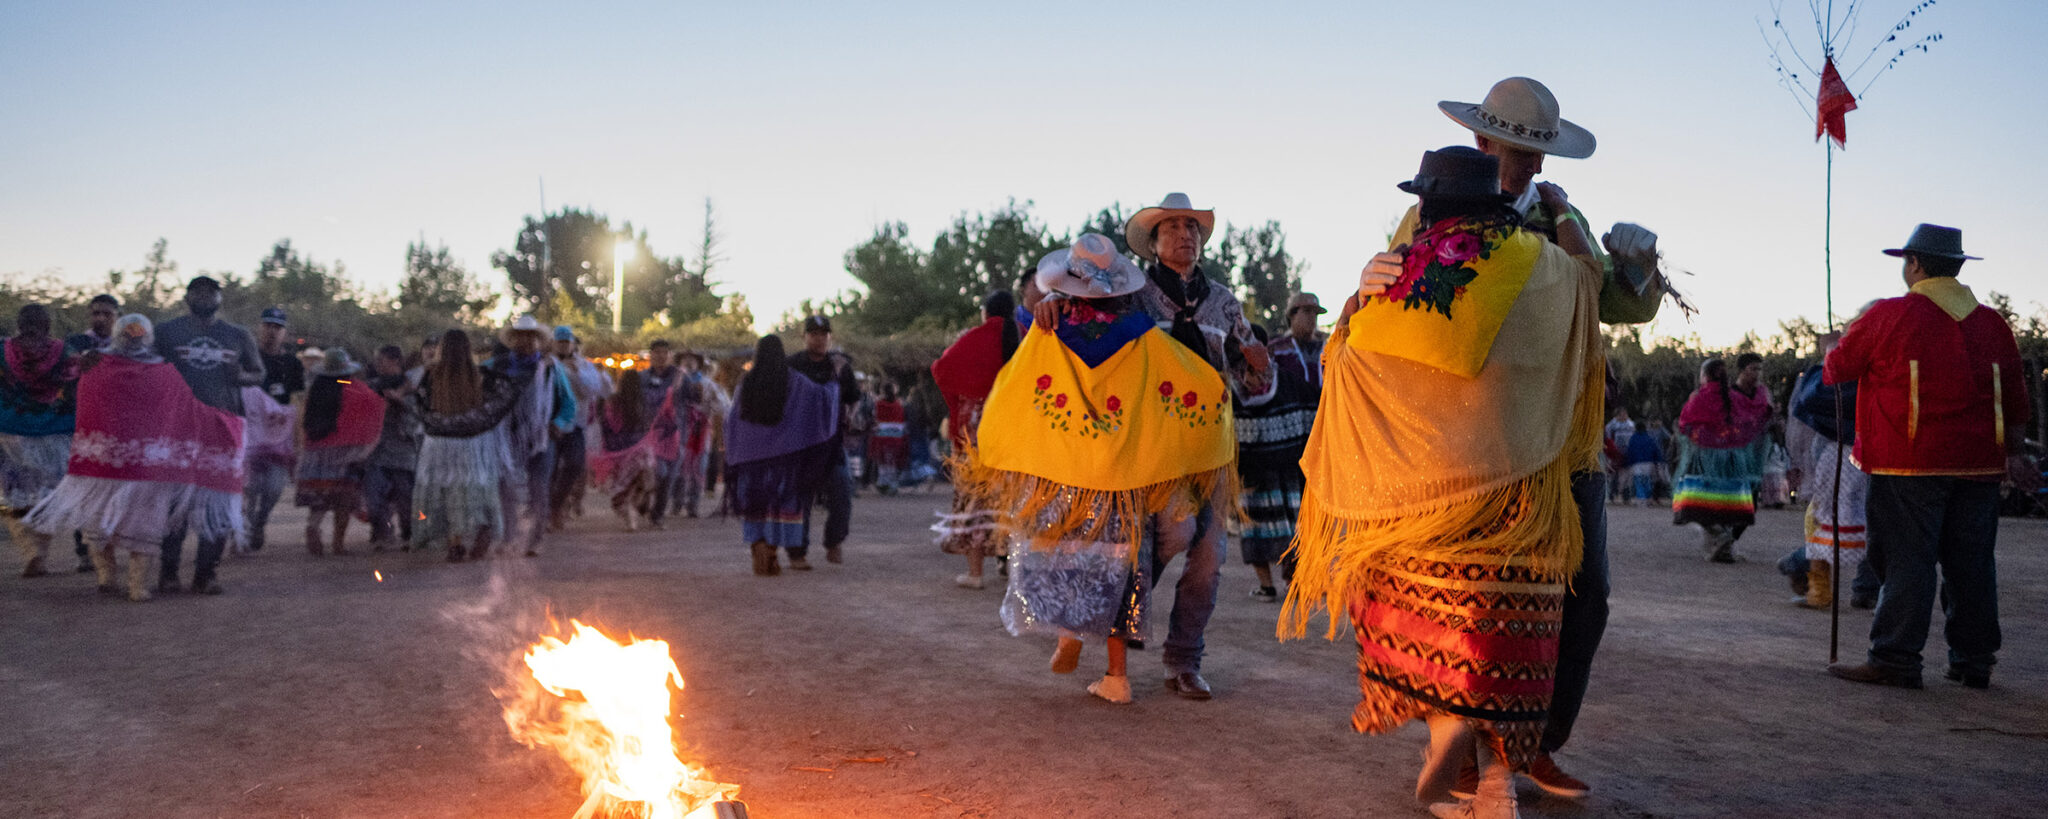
(620, 253)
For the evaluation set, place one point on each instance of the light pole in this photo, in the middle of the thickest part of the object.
(620, 253)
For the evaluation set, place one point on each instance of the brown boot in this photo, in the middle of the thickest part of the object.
(103, 566)
(764, 560)
(1820, 592)
(138, 576)
(313, 544)
(340, 533)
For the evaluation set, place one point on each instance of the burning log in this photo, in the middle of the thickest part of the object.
(608, 717)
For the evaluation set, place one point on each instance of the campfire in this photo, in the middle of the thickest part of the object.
(606, 712)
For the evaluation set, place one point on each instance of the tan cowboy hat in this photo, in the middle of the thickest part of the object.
(1521, 112)
(1138, 229)
(1091, 269)
(1305, 301)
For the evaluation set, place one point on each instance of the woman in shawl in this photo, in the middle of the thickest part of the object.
(965, 373)
(147, 459)
(1272, 432)
(635, 441)
(1458, 400)
(341, 423)
(455, 489)
(37, 382)
(1720, 454)
(778, 450)
(1100, 422)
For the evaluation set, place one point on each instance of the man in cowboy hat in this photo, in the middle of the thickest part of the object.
(1941, 409)
(545, 412)
(1519, 124)
(1202, 314)
(217, 360)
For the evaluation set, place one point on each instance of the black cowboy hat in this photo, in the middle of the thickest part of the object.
(1457, 172)
(1934, 240)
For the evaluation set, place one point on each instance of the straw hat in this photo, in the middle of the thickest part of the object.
(1090, 269)
(1138, 229)
(1521, 112)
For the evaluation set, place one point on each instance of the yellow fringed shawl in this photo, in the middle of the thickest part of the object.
(1406, 459)
(1147, 431)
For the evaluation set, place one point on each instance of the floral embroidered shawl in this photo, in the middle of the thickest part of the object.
(1458, 282)
(140, 422)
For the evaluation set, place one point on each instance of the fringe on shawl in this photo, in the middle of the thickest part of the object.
(1532, 522)
(1081, 514)
(136, 515)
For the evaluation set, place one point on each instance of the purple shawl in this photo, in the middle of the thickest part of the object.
(810, 416)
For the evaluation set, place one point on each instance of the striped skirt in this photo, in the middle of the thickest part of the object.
(1847, 519)
(1476, 641)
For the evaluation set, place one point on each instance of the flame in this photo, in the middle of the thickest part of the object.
(378, 574)
(615, 733)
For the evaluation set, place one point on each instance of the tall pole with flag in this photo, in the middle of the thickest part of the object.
(1832, 102)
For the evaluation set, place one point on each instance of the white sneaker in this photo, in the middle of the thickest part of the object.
(1113, 689)
(968, 581)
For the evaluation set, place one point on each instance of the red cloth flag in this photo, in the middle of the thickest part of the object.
(1835, 103)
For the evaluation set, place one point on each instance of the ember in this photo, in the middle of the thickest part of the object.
(609, 719)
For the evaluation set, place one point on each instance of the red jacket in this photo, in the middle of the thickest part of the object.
(1937, 395)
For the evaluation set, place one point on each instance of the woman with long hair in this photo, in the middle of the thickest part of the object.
(636, 440)
(778, 446)
(340, 425)
(1721, 449)
(965, 373)
(455, 489)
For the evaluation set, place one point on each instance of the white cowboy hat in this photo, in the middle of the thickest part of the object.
(1138, 229)
(526, 324)
(1091, 269)
(1521, 112)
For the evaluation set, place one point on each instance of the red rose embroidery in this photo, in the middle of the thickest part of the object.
(1045, 382)
(1457, 248)
(1059, 400)
(1114, 404)
(1188, 400)
(1165, 388)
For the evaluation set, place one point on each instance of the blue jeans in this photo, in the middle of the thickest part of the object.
(265, 485)
(1584, 619)
(388, 493)
(1202, 537)
(571, 462)
(525, 499)
(1919, 523)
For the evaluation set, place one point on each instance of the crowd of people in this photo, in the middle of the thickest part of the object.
(1434, 472)
(133, 433)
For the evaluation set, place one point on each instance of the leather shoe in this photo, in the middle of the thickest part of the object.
(1867, 673)
(1190, 685)
(1968, 678)
(1544, 772)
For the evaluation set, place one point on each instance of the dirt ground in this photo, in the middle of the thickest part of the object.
(313, 689)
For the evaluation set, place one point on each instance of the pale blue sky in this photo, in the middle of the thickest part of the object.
(353, 128)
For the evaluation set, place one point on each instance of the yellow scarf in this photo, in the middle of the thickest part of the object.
(1149, 427)
(1953, 297)
(1407, 458)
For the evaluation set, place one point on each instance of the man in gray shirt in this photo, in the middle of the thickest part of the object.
(217, 360)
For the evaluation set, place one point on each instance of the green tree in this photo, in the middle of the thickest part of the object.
(151, 288)
(434, 282)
